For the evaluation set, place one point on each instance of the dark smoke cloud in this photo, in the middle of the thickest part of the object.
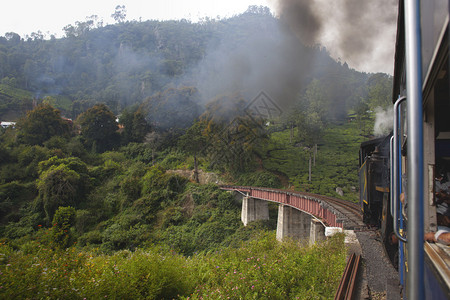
(269, 59)
(360, 32)
(280, 57)
(301, 18)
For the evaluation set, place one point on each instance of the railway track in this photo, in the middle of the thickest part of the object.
(351, 210)
(348, 281)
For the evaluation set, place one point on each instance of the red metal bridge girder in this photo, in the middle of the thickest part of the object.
(308, 204)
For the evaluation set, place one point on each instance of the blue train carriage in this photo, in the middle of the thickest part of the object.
(421, 146)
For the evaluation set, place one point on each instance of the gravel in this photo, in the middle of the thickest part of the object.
(380, 279)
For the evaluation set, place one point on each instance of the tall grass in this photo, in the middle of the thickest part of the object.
(262, 268)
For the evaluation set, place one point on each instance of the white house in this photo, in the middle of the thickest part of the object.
(5, 124)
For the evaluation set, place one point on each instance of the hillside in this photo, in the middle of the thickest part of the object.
(123, 64)
(336, 161)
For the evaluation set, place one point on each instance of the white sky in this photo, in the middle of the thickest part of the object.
(27, 16)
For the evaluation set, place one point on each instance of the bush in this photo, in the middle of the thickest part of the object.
(29, 157)
(261, 179)
(173, 160)
(16, 192)
(125, 231)
(59, 186)
(267, 269)
(138, 152)
(143, 274)
(63, 220)
(56, 142)
(93, 237)
(165, 187)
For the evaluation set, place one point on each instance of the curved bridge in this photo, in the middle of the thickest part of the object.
(300, 215)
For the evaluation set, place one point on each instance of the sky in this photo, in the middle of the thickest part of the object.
(27, 16)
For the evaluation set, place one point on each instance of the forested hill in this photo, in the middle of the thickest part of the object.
(125, 63)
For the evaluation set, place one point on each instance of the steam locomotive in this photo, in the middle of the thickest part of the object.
(397, 172)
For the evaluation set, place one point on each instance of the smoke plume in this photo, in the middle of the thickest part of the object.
(383, 121)
(360, 32)
(270, 59)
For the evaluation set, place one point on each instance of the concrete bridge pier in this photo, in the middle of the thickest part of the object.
(254, 209)
(293, 223)
(317, 232)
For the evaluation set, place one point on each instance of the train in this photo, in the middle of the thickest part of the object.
(400, 173)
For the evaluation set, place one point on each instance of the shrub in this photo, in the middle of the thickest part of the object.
(63, 220)
(151, 274)
(93, 237)
(138, 152)
(261, 179)
(173, 160)
(267, 269)
(29, 157)
(56, 142)
(130, 187)
(58, 186)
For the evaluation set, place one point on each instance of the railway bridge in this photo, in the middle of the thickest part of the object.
(301, 216)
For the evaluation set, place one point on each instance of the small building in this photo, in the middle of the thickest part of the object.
(5, 124)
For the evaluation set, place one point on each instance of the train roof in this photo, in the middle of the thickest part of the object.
(376, 141)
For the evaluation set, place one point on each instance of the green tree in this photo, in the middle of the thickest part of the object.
(192, 142)
(135, 125)
(41, 124)
(232, 135)
(80, 106)
(99, 128)
(58, 186)
(362, 115)
(312, 118)
(312, 130)
(317, 99)
(380, 91)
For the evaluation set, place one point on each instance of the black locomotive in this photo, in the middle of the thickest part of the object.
(374, 189)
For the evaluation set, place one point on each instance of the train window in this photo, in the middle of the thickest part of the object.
(433, 15)
(442, 104)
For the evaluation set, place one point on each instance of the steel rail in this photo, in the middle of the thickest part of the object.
(347, 284)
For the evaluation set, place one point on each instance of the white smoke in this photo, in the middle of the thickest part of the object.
(384, 119)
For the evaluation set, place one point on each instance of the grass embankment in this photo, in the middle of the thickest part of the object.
(262, 268)
(13, 102)
(336, 160)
